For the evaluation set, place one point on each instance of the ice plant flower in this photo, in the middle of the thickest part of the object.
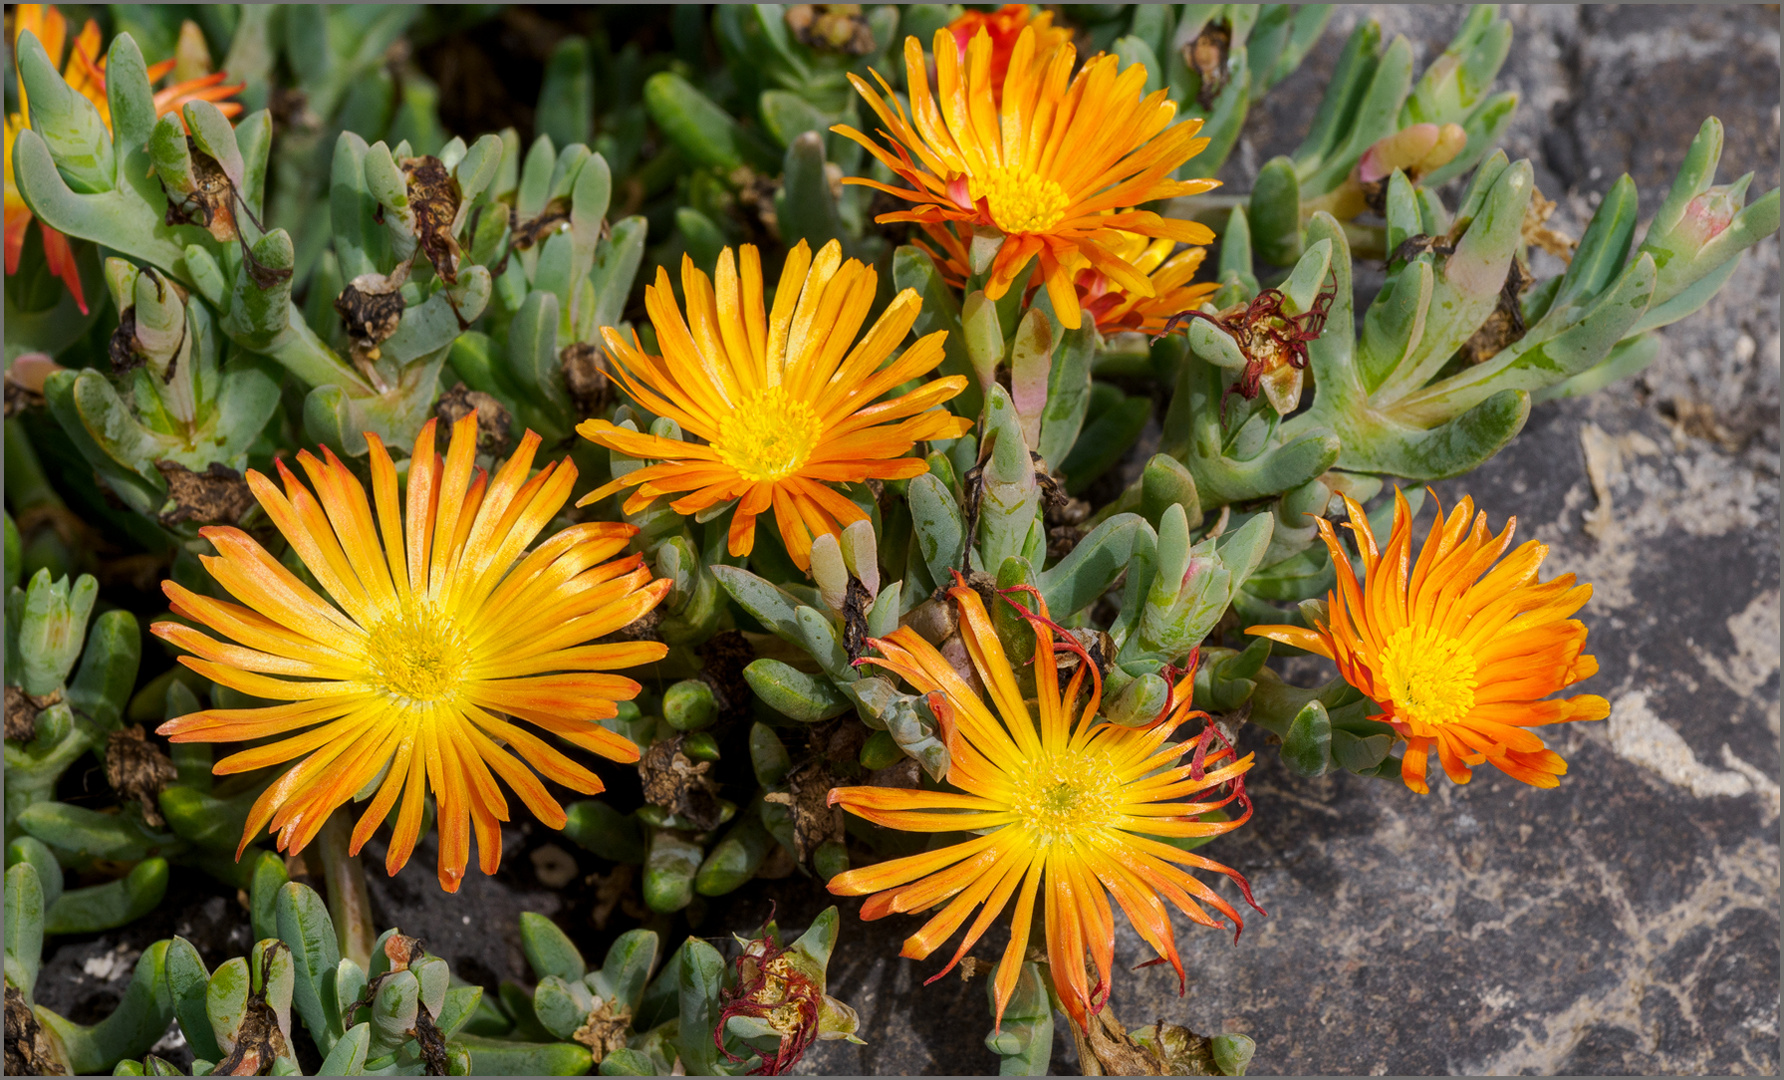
(1067, 810)
(442, 630)
(1456, 660)
(85, 75)
(785, 399)
(1005, 26)
(1115, 308)
(1056, 163)
(1111, 307)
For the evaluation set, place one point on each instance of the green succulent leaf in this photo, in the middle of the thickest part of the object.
(549, 950)
(24, 927)
(104, 907)
(139, 1020)
(306, 929)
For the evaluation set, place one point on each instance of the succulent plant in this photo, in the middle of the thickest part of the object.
(1374, 120)
(55, 715)
(1214, 60)
(49, 1043)
(405, 1014)
(231, 289)
(694, 1015)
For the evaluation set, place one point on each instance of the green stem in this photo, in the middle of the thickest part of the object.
(1189, 206)
(27, 488)
(306, 356)
(349, 903)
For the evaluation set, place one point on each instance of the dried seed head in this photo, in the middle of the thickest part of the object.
(369, 315)
(216, 496)
(585, 377)
(493, 422)
(831, 28)
(434, 198)
(209, 204)
(680, 786)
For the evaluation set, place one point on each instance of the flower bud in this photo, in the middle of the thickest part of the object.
(830, 571)
(1451, 141)
(51, 626)
(984, 336)
(861, 554)
(689, 705)
(1418, 150)
(1396, 151)
(1707, 215)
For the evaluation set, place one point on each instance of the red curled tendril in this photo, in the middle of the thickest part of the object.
(745, 1000)
(1264, 333)
(1063, 639)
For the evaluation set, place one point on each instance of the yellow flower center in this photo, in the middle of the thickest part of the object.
(1023, 201)
(768, 437)
(1064, 796)
(1429, 676)
(416, 656)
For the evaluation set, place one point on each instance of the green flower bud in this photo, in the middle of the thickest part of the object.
(689, 705)
(50, 629)
(1233, 1053)
(830, 571)
(984, 337)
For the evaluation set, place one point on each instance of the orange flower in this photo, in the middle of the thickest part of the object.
(438, 635)
(786, 399)
(1454, 659)
(1067, 810)
(85, 75)
(1115, 308)
(1004, 26)
(1056, 166)
(1111, 307)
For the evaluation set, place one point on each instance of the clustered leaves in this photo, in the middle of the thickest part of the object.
(335, 265)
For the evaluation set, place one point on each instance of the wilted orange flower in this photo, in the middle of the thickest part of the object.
(1454, 659)
(1004, 26)
(435, 634)
(1064, 804)
(85, 75)
(1111, 307)
(1055, 165)
(787, 400)
(1115, 308)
